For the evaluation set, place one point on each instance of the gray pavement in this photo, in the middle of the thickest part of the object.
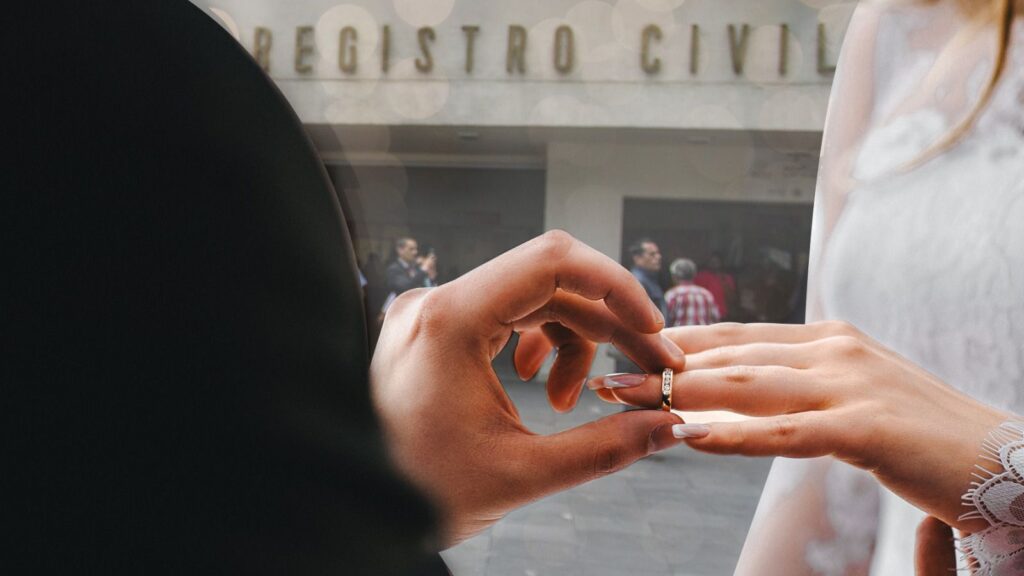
(680, 513)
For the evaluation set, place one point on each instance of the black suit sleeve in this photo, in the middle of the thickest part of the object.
(184, 354)
(400, 280)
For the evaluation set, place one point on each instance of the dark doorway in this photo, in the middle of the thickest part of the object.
(764, 247)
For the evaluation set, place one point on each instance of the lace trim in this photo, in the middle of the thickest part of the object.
(997, 498)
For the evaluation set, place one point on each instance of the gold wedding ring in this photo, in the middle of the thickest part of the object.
(666, 389)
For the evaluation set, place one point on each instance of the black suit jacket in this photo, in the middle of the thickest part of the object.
(400, 280)
(184, 359)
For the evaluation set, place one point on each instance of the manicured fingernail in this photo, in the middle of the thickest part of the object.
(619, 380)
(690, 430)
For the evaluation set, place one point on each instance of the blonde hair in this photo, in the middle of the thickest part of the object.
(1003, 13)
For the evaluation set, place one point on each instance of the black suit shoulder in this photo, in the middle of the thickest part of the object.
(185, 341)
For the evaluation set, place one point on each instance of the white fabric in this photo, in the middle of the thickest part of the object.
(929, 261)
(998, 498)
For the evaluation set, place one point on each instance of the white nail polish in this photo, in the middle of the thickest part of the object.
(690, 430)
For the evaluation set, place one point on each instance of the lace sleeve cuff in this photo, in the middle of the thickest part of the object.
(998, 498)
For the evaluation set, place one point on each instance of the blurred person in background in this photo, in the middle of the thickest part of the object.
(687, 303)
(646, 258)
(766, 288)
(720, 283)
(408, 271)
(646, 264)
(428, 264)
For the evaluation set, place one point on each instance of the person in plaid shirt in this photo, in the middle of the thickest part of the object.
(687, 303)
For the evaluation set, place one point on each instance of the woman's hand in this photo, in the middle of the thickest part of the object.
(827, 389)
(450, 425)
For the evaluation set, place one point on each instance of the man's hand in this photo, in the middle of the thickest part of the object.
(428, 265)
(935, 553)
(450, 425)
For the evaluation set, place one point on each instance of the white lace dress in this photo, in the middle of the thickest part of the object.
(928, 261)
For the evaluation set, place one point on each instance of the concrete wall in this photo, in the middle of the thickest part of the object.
(607, 90)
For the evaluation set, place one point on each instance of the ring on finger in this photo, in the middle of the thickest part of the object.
(666, 389)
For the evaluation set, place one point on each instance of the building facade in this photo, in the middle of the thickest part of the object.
(477, 125)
